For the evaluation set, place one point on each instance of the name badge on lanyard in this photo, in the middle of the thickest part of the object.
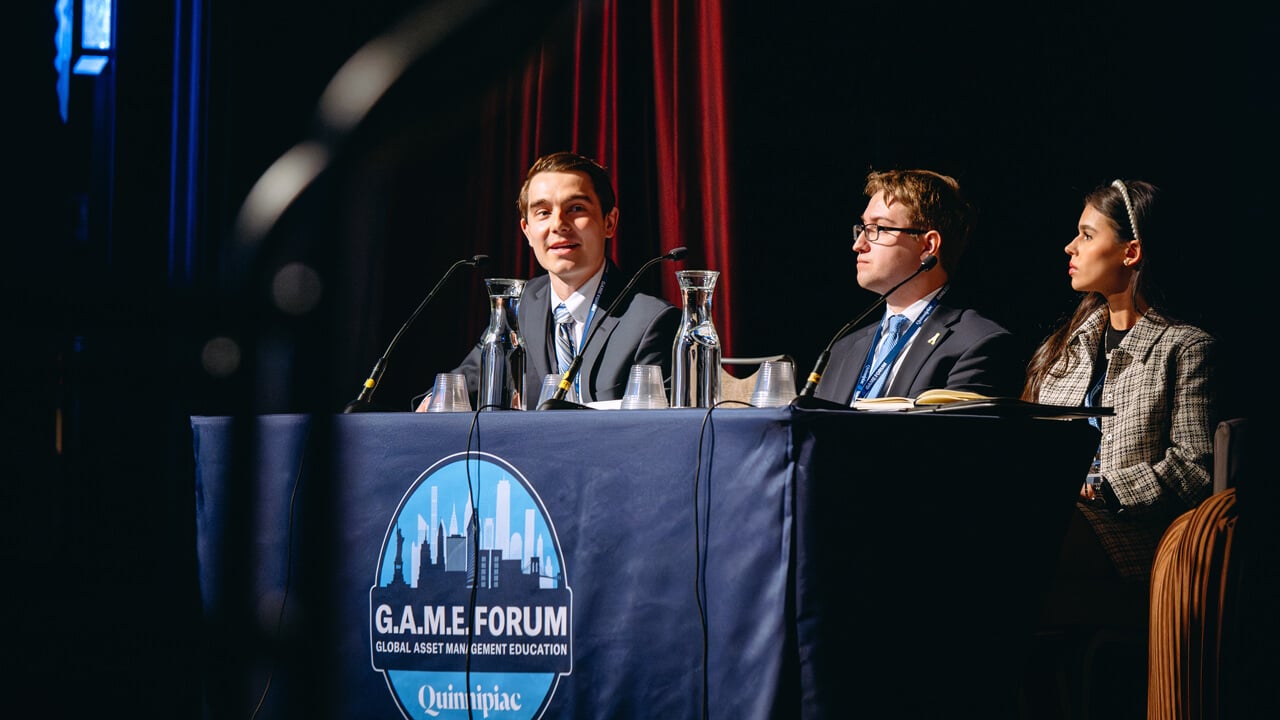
(586, 327)
(867, 378)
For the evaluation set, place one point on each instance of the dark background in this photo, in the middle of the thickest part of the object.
(1028, 108)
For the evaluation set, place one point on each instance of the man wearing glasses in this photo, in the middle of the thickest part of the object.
(927, 338)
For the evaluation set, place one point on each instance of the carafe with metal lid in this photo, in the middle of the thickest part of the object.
(502, 349)
(695, 355)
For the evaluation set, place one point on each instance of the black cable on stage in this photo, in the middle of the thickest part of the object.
(474, 521)
(700, 579)
(288, 566)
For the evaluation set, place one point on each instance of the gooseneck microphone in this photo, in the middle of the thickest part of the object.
(557, 401)
(806, 394)
(364, 400)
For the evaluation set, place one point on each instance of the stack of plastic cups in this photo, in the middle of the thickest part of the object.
(775, 384)
(645, 390)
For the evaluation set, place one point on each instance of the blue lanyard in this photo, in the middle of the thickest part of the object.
(586, 328)
(867, 378)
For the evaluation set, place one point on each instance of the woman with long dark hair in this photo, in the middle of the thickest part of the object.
(1123, 349)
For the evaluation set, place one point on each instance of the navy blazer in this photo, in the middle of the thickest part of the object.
(641, 330)
(956, 348)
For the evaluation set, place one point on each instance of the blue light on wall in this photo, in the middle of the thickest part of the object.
(90, 65)
(62, 41)
(95, 32)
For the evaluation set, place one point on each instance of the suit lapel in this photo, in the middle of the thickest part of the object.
(846, 379)
(591, 353)
(935, 329)
(534, 309)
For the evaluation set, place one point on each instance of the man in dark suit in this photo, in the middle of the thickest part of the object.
(568, 212)
(927, 337)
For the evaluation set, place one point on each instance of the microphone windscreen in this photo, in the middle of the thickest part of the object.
(928, 262)
(478, 260)
(677, 253)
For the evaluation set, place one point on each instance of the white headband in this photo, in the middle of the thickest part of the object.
(1128, 205)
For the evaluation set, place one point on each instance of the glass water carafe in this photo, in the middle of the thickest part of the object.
(502, 349)
(695, 355)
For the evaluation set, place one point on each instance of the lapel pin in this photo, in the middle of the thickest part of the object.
(934, 339)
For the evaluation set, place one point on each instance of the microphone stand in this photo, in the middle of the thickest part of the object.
(805, 398)
(364, 401)
(557, 401)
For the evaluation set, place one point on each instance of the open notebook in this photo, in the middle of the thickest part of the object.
(962, 401)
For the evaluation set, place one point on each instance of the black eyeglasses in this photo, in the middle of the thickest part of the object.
(873, 231)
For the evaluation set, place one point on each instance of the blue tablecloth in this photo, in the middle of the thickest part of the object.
(746, 563)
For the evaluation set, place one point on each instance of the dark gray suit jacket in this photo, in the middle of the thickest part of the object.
(971, 352)
(641, 330)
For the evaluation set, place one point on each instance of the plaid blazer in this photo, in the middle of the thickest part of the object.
(1157, 451)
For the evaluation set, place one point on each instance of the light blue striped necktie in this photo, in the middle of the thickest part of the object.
(564, 338)
(896, 324)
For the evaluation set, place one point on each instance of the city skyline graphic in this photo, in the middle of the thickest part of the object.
(470, 603)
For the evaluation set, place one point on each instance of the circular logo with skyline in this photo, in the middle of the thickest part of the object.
(471, 613)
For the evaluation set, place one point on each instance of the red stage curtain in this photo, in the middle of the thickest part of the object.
(641, 90)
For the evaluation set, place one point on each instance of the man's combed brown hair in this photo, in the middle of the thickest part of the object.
(935, 203)
(570, 162)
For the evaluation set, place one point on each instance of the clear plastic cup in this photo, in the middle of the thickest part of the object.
(775, 384)
(449, 394)
(645, 390)
(550, 382)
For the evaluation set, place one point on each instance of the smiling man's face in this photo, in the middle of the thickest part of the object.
(567, 228)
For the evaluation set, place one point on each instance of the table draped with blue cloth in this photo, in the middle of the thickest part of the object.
(737, 563)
